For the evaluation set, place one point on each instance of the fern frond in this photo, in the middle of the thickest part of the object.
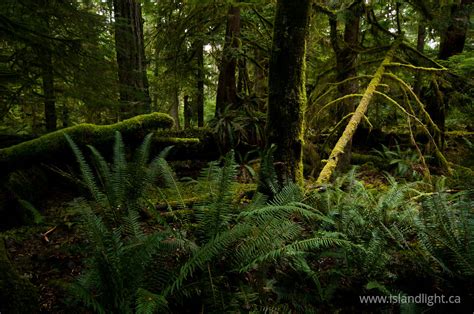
(143, 152)
(212, 249)
(131, 225)
(288, 194)
(85, 296)
(87, 174)
(168, 176)
(149, 303)
(322, 241)
(218, 212)
(104, 172)
(120, 177)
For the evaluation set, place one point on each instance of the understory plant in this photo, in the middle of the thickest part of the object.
(245, 256)
(294, 251)
(402, 232)
(119, 250)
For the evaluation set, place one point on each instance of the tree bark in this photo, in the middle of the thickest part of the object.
(188, 112)
(129, 45)
(174, 108)
(420, 46)
(48, 89)
(287, 92)
(226, 86)
(200, 84)
(260, 79)
(453, 37)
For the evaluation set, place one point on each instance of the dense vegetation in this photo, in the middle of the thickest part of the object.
(236, 156)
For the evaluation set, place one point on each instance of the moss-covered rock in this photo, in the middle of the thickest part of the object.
(17, 294)
(53, 146)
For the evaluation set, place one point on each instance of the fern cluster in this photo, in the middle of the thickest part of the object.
(291, 251)
(398, 233)
(120, 252)
(241, 250)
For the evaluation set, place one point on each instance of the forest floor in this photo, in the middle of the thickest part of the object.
(52, 253)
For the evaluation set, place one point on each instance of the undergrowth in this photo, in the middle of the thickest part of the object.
(295, 251)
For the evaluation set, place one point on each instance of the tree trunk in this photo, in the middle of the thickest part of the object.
(260, 79)
(243, 87)
(420, 46)
(188, 112)
(174, 108)
(200, 85)
(48, 89)
(226, 86)
(346, 59)
(453, 37)
(129, 45)
(452, 41)
(287, 93)
(346, 137)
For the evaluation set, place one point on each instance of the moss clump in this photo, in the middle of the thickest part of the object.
(196, 144)
(200, 133)
(53, 146)
(17, 294)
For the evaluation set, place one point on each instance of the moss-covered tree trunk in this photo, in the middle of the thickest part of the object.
(286, 88)
(130, 48)
(420, 46)
(346, 137)
(226, 86)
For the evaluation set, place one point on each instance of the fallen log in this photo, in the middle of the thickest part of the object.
(338, 150)
(53, 146)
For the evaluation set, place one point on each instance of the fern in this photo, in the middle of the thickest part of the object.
(149, 303)
(87, 174)
(120, 251)
(446, 230)
(214, 216)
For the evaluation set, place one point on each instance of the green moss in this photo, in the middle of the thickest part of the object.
(17, 294)
(459, 133)
(200, 133)
(177, 140)
(43, 148)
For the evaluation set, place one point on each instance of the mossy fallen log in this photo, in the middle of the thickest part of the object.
(338, 150)
(53, 146)
(17, 294)
(205, 147)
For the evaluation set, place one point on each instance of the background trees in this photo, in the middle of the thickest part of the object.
(131, 59)
(96, 61)
(275, 83)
